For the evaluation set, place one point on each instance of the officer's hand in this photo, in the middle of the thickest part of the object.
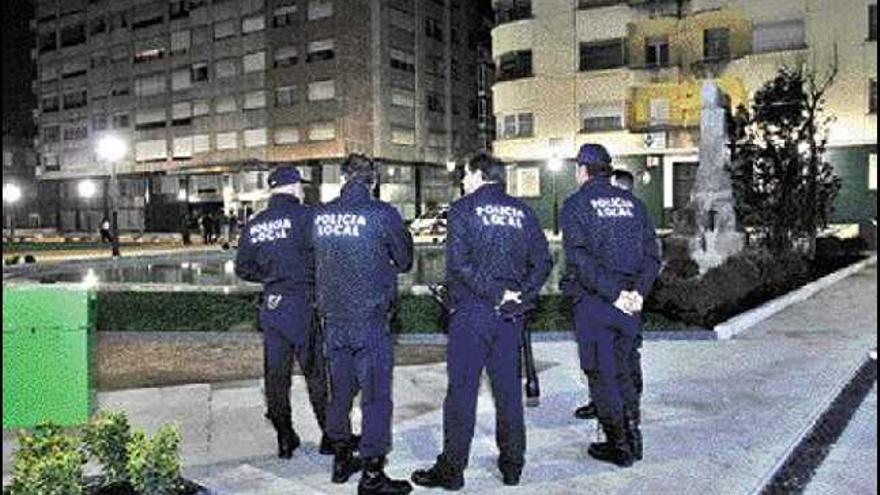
(624, 303)
(638, 302)
(511, 296)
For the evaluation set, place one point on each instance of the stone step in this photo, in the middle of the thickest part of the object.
(247, 479)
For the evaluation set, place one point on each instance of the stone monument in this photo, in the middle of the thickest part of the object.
(705, 231)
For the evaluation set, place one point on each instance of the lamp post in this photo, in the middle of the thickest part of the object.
(11, 195)
(554, 165)
(111, 149)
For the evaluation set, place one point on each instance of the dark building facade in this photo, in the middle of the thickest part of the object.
(207, 94)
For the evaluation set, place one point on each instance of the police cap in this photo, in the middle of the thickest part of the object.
(284, 175)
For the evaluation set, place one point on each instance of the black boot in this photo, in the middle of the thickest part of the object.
(615, 449)
(586, 412)
(345, 464)
(634, 438)
(327, 444)
(510, 473)
(374, 481)
(441, 475)
(288, 440)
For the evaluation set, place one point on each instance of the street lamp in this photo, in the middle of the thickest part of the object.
(111, 149)
(11, 195)
(554, 165)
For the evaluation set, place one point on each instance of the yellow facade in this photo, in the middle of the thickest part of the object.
(558, 90)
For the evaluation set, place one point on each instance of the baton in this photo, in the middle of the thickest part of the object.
(532, 387)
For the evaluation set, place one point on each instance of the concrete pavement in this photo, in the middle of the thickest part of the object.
(718, 415)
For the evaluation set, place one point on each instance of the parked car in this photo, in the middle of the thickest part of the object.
(432, 222)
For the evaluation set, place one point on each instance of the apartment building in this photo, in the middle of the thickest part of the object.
(628, 74)
(208, 94)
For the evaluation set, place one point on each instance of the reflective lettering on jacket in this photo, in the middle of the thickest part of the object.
(269, 231)
(340, 225)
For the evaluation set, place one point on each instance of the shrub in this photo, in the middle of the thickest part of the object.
(154, 463)
(48, 462)
(106, 438)
(741, 283)
(176, 311)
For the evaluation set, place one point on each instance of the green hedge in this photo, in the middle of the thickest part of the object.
(196, 311)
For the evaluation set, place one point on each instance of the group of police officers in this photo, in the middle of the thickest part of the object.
(329, 278)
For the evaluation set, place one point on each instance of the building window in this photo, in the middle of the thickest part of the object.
(433, 29)
(99, 122)
(227, 141)
(181, 113)
(716, 44)
(73, 35)
(181, 79)
(515, 65)
(73, 69)
(121, 121)
(100, 59)
(254, 100)
(403, 20)
(403, 98)
(285, 96)
(118, 20)
(512, 10)
(225, 104)
(224, 29)
(226, 68)
(321, 50)
(288, 135)
(201, 143)
(322, 131)
(254, 62)
(75, 99)
(322, 90)
(403, 136)
(602, 55)
(284, 16)
(256, 137)
(151, 151)
(50, 104)
(778, 36)
(199, 72)
(180, 42)
(182, 147)
(178, 9)
(402, 60)
(872, 22)
(153, 118)
(98, 26)
(319, 9)
(154, 84)
(51, 134)
(517, 126)
(201, 107)
(601, 117)
(76, 132)
(286, 57)
(657, 51)
(151, 20)
(659, 111)
(47, 42)
(435, 103)
(253, 24)
(872, 96)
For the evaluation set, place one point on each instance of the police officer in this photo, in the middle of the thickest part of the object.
(361, 246)
(276, 250)
(623, 179)
(497, 260)
(612, 260)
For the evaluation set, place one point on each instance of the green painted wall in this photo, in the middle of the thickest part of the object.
(855, 203)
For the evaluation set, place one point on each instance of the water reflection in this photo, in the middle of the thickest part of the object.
(429, 267)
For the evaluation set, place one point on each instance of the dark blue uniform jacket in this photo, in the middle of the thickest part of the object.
(361, 245)
(494, 243)
(610, 243)
(275, 248)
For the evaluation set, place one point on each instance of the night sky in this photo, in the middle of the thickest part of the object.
(18, 101)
